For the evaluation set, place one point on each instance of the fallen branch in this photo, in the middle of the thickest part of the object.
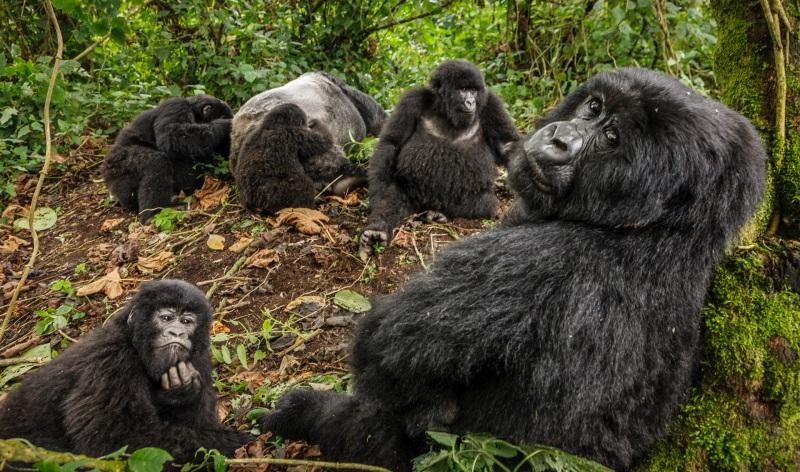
(24, 360)
(48, 157)
(19, 450)
(16, 349)
(324, 465)
(230, 272)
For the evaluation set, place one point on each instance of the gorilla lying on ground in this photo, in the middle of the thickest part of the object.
(284, 163)
(575, 324)
(142, 380)
(153, 158)
(350, 115)
(438, 153)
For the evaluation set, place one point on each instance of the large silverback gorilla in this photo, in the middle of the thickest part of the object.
(143, 380)
(350, 114)
(575, 324)
(438, 153)
(153, 158)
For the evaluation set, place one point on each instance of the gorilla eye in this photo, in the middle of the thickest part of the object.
(186, 321)
(612, 135)
(166, 318)
(596, 105)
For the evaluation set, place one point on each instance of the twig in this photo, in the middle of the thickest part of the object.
(325, 465)
(62, 333)
(421, 260)
(14, 350)
(299, 342)
(48, 157)
(230, 272)
(24, 360)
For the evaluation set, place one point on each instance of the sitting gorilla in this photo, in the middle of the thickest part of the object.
(284, 163)
(574, 324)
(350, 115)
(153, 158)
(142, 380)
(438, 153)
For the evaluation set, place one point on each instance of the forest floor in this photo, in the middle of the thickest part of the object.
(282, 299)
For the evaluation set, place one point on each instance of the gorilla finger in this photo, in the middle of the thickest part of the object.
(164, 381)
(174, 379)
(192, 371)
(436, 216)
(184, 373)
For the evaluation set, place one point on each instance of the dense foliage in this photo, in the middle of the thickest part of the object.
(122, 57)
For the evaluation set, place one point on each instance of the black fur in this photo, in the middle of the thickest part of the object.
(153, 158)
(349, 114)
(575, 324)
(431, 156)
(284, 163)
(104, 392)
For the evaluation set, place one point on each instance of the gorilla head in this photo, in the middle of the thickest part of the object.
(207, 108)
(287, 115)
(460, 91)
(620, 152)
(169, 323)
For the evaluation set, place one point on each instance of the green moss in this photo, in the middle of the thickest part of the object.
(744, 413)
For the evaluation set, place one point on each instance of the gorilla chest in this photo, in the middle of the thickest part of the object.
(435, 155)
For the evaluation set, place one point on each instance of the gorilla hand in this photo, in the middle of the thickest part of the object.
(180, 376)
(437, 216)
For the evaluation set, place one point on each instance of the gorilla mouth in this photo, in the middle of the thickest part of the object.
(172, 345)
(537, 174)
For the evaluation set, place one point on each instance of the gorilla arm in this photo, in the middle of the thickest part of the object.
(388, 203)
(181, 137)
(499, 129)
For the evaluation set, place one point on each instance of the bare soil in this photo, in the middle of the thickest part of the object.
(307, 339)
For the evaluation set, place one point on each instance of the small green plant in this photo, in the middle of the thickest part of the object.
(55, 319)
(63, 286)
(80, 269)
(168, 218)
(483, 453)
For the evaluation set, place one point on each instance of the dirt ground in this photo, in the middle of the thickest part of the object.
(278, 320)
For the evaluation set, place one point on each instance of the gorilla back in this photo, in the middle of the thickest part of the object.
(575, 324)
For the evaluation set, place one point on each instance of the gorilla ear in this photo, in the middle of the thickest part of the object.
(206, 110)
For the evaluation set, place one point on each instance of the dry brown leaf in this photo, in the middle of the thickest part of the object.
(142, 233)
(351, 199)
(242, 242)
(110, 284)
(262, 259)
(212, 193)
(306, 220)
(402, 239)
(310, 299)
(12, 243)
(216, 242)
(150, 265)
(12, 211)
(110, 225)
(217, 327)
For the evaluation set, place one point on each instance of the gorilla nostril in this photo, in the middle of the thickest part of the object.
(560, 145)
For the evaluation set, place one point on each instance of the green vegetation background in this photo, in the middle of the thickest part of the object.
(122, 57)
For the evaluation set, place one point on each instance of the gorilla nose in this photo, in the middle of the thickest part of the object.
(470, 104)
(560, 143)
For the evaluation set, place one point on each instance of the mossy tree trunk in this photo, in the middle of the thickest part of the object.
(744, 411)
(757, 64)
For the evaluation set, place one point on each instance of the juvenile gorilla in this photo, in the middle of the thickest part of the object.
(153, 158)
(438, 153)
(284, 163)
(142, 380)
(351, 115)
(575, 324)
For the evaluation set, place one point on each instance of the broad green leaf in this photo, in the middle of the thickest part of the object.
(242, 353)
(13, 371)
(7, 114)
(149, 459)
(256, 413)
(43, 218)
(47, 467)
(226, 355)
(352, 301)
(444, 439)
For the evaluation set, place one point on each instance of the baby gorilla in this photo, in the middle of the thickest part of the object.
(143, 380)
(153, 158)
(286, 161)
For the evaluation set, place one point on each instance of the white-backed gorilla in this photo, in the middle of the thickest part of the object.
(285, 163)
(153, 158)
(575, 323)
(438, 153)
(143, 380)
(350, 114)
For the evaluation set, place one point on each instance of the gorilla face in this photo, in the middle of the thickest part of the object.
(460, 90)
(624, 150)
